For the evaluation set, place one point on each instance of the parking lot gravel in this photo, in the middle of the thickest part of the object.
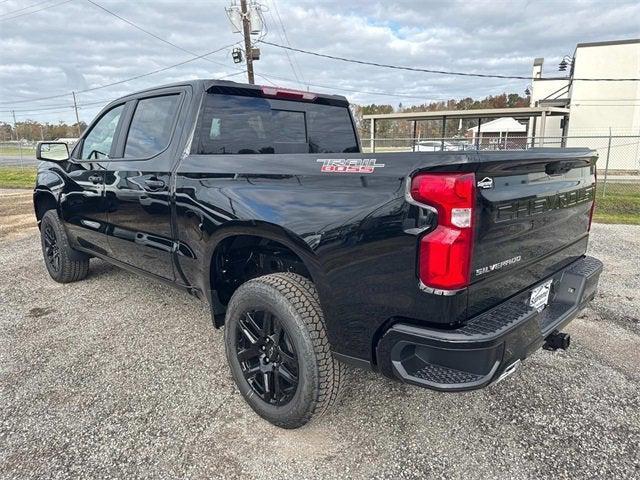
(119, 377)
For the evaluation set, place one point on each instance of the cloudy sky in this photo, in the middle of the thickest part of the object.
(52, 47)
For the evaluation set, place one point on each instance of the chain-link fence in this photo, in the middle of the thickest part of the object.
(18, 154)
(618, 155)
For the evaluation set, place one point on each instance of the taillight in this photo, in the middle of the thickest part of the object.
(444, 260)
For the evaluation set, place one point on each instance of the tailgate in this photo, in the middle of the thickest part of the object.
(533, 218)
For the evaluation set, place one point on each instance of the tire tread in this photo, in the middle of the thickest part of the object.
(71, 270)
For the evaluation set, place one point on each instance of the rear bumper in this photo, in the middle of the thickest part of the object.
(491, 345)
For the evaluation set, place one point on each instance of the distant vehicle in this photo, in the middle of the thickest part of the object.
(435, 146)
(439, 270)
(69, 141)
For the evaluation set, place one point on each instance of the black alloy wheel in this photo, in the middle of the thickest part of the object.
(278, 351)
(267, 357)
(51, 248)
(63, 263)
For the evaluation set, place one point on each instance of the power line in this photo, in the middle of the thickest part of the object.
(366, 92)
(124, 80)
(134, 25)
(157, 37)
(286, 39)
(55, 107)
(35, 11)
(68, 108)
(439, 72)
(24, 8)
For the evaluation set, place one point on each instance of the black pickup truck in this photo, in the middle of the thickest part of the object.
(440, 269)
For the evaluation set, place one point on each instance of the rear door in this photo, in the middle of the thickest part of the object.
(533, 219)
(138, 183)
(83, 206)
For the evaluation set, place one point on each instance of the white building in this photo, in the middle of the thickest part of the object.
(505, 131)
(598, 109)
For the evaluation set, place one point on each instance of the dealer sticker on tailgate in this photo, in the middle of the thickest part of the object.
(540, 295)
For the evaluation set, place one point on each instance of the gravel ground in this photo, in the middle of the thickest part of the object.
(119, 377)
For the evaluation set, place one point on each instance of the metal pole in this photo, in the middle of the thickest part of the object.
(372, 135)
(533, 132)
(543, 128)
(246, 29)
(75, 106)
(443, 132)
(15, 127)
(478, 137)
(415, 127)
(565, 126)
(606, 166)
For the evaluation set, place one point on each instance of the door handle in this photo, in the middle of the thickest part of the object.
(95, 178)
(154, 183)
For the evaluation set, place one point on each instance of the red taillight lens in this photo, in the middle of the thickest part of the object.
(445, 253)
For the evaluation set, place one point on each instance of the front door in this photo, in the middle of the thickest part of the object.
(138, 186)
(82, 205)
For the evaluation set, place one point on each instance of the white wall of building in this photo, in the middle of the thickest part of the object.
(598, 108)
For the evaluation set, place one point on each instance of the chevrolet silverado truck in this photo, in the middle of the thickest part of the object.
(443, 270)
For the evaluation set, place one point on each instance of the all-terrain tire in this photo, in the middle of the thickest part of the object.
(67, 265)
(293, 299)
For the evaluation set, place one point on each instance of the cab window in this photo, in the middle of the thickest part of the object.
(97, 143)
(151, 126)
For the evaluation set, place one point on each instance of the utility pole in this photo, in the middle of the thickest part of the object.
(15, 127)
(75, 106)
(246, 30)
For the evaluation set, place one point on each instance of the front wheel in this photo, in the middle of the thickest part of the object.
(278, 352)
(63, 263)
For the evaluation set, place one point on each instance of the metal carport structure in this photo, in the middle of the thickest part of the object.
(529, 113)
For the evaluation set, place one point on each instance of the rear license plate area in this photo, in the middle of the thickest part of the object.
(540, 295)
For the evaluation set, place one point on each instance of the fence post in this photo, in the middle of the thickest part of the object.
(372, 135)
(606, 166)
(15, 127)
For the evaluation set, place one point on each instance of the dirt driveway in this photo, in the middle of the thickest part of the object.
(119, 377)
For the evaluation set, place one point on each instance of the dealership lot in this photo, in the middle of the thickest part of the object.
(117, 376)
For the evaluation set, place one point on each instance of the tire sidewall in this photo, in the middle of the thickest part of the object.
(260, 296)
(50, 219)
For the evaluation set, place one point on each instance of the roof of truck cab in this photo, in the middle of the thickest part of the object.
(208, 84)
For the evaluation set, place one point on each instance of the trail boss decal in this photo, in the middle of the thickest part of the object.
(349, 165)
(497, 266)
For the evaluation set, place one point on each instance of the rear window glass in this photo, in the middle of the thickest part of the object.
(232, 124)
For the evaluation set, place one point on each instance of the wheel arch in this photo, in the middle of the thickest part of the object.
(264, 236)
(43, 200)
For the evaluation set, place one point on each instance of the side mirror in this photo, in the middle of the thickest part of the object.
(52, 151)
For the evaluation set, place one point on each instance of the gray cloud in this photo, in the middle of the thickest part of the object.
(78, 46)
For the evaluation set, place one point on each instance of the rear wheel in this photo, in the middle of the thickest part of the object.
(63, 263)
(278, 350)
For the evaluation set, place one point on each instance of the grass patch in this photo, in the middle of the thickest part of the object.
(16, 177)
(621, 204)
